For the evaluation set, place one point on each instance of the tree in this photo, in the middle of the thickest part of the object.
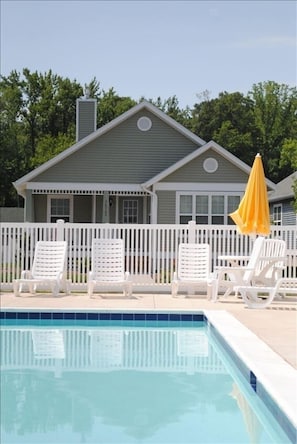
(110, 106)
(12, 139)
(34, 108)
(229, 121)
(275, 114)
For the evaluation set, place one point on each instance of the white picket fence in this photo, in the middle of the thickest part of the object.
(150, 249)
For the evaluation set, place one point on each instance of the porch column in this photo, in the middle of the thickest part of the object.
(105, 209)
(154, 208)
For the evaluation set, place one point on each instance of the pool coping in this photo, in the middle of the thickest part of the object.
(273, 373)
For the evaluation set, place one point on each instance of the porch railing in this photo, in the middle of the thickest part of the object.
(151, 249)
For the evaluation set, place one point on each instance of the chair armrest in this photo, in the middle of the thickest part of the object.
(127, 275)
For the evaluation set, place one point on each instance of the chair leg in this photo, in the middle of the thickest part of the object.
(174, 289)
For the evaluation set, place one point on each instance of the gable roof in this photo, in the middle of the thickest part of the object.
(207, 146)
(283, 189)
(144, 105)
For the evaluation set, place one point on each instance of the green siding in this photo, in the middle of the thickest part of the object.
(166, 207)
(123, 155)
(194, 171)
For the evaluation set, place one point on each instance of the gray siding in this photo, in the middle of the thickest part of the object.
(166, 207)
(288, 214)
(194, 171)
(40, 211)
(123, 155)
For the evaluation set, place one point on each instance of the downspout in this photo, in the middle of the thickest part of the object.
(154, 204)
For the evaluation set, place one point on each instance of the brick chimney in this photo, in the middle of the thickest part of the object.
(86, 116)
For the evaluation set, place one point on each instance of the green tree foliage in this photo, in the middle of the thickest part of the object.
(229, 121)
(110, 106)
(34, 108)
(275, 114)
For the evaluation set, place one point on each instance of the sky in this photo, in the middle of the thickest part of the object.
(154, 48)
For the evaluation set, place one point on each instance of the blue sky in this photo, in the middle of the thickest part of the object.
(154, 48)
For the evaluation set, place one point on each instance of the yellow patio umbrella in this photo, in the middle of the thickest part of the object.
(252, 215)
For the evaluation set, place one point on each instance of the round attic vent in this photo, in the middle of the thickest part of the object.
(210, 165)
(144, 123)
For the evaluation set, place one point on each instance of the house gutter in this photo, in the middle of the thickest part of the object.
(154, 204)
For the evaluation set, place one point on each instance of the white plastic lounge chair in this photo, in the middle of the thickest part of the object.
(193, 269)
(261, 296)
(48, 269)
(107, 266)
(265, 265)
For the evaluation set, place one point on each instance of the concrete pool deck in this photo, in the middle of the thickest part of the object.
(276, 325)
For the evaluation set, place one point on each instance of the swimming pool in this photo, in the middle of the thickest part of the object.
(138, 377)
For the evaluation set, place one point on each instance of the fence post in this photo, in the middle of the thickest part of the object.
(60, 229)
(192, 226)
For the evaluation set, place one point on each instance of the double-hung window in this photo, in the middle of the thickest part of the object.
(130, 211)
(60, 207)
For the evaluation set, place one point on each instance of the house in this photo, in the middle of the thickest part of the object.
(281, 202)
(142, 167)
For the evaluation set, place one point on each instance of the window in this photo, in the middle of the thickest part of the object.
(277, 214)
(206, 208)
(130, 211)
(59, 207)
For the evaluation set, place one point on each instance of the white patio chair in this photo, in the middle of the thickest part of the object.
(48, 269)
(193, 269)
(265, 264)
(107, 266)
(236, 273)
(262, 296)
(272, 263)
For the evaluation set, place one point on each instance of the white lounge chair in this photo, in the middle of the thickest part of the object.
(107, 266)
(265, 264)
(48, 269)
(261, 296)
(193, 269)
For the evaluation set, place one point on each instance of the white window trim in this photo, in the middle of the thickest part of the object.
(209, 194)
(60, 196)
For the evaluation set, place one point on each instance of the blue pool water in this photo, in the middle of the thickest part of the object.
(157, 380)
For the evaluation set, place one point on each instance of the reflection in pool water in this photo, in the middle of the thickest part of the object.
(124, 385)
